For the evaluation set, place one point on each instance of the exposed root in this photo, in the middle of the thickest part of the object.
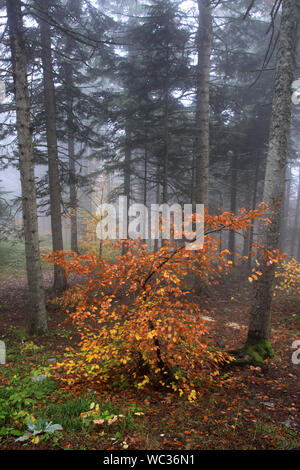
(254, 352)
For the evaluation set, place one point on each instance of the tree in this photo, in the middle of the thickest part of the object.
(294, 247)
(9, 230)
(37, 312)
(258, 340)
(204, 46)
(155, 332)
(50, 114)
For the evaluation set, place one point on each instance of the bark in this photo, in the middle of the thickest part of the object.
(166, 142)
(127, 171)
(284, 241)
(72, 185)
(233, 202)
(260, 322)
(37, 313)
(294, 247)
(158, 201)
(254, 202)
(298, 250)
(54, 186)
(145, 182)
(71, 151)
(204, 46)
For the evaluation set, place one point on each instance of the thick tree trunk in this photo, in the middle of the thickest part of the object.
(37, 312)
(204, 46)
(258, 345)
(54, 186)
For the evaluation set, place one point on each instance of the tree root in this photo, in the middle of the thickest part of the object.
(254, 352)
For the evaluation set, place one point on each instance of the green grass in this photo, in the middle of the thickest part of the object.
(12, 258)
(22, 398)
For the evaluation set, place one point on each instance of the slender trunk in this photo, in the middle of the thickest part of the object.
(294, 247)
(156, 241)
(204, 46)
(233, 201)
(145, 184)
(260, 322)
(298, 250)
(193, 176)
(284, 232)
(127, 165)
(145, 173)
(37, 310)
(73, 190)
(127, 171)
(54, 186)
(254, 202)
(166, 147)
(71, 151)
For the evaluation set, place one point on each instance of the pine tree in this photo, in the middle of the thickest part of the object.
(37, 311)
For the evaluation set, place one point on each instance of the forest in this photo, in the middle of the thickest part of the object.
(149, 227)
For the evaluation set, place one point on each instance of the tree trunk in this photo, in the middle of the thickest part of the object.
(254, 202)
(158, 201)
(72, 185)
(126, 176)
(204, 46)
(37, 312)
(54, 186)
(258, 341)
(71, 150)
(298, 250)
(284, 232)
(294, 247)
(166, 144)
(233, 194)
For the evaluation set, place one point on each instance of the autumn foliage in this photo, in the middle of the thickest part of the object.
(137, 317)
(288, 277)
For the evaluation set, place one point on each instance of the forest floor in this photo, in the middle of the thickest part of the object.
(257, 408)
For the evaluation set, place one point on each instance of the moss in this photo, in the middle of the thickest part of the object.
(254, 352)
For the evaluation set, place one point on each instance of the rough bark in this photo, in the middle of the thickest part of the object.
(204, 46)
(50, 113)
(37, 315)
(260, 322)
